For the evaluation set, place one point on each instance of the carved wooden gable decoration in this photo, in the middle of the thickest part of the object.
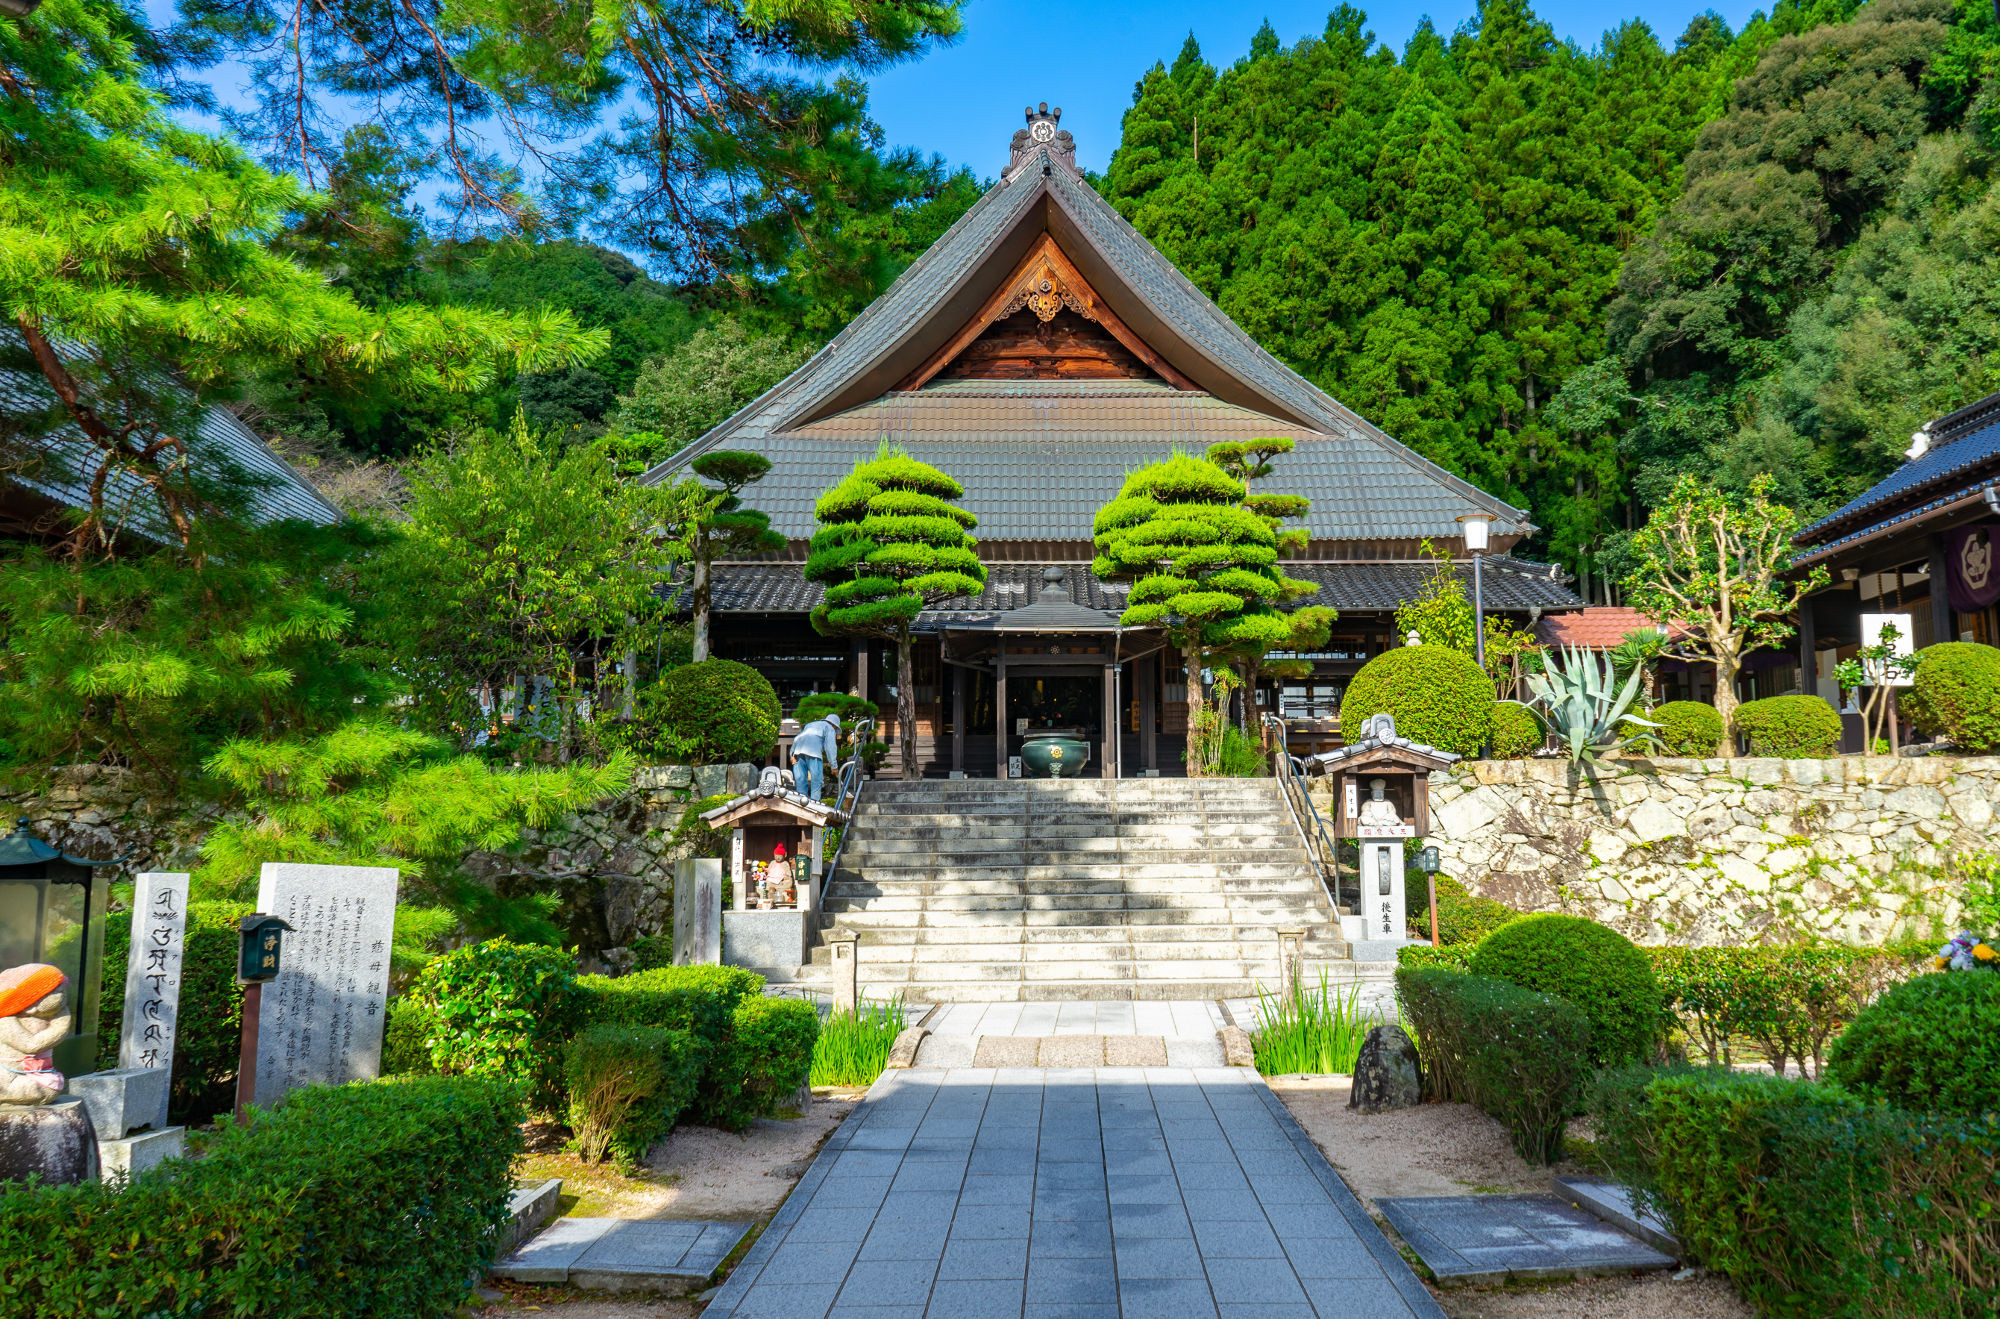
(1045, 322)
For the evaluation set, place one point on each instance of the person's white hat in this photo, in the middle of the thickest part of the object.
(833, 719)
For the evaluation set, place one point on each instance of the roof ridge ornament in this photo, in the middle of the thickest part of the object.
(1044, 130)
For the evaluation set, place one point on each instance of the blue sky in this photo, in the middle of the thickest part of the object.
(965, 101)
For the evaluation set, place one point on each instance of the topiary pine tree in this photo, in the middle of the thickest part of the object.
(1203, 567)
(889, 545)
(721, 523)
(1248, 461)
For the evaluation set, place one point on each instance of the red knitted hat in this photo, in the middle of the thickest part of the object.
(22, 987)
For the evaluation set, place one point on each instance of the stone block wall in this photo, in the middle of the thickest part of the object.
(1712, 851)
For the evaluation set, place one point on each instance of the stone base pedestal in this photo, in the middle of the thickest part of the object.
(132, 1155)
(55, 1141)
(123, 1099)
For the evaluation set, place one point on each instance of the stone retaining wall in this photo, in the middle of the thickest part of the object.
(1712, 851)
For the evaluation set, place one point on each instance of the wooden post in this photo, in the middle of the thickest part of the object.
(1808, 650)
(1943, 624)
(246, 1060)
(1149, 712)
(1432, 879)
(957, 677)
(1000, 709)
(739, 883)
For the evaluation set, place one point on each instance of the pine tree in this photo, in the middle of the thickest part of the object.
(719, 523)
(890, 544)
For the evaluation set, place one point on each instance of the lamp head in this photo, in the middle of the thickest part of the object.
(1474, 527)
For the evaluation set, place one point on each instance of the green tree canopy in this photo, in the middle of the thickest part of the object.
(718, 522)
(677, 396)
(891, 543)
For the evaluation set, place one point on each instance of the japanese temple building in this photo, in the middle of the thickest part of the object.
(1038, 352)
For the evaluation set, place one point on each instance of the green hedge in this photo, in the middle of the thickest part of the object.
(407, 1028)
(1437, 695)
(1955, 693)
(210, 1026)
(502, 1009)
(762, 1062)
(373, 1199)
(1517, 734)
(1520, 1056)
(1451, 957)
(1790, 727)
(716, 712)
(1688, 728)
(1931, 1045)
(1593, 966)
(1463, 916)
(627, 1086)
(1789, 999)
(701, 1000)
(1812, 1202)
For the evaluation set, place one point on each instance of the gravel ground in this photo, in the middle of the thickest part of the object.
(1454, 1149)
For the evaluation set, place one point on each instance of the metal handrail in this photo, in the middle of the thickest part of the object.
(846, 795)
(1320, 845)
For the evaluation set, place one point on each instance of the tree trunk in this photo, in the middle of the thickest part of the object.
(906, 706)
(701, 555)
(1196, 756)
(1726, 669)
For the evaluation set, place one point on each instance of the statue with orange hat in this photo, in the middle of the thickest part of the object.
(33, 1020)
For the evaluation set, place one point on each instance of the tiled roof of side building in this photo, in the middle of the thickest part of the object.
(1600, 627)
(279, 493)
(1953, 468)
(1512, 585)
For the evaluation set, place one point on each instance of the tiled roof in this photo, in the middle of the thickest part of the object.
(219, 439)
(1004, 439)
(1601, 627)
(1512, 585)
(1965, 456)
(1037, 465)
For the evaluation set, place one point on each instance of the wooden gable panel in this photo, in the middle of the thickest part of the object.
(1064, 347)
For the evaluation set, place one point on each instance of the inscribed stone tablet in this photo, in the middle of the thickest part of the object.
(320, 1022)
(153, 979)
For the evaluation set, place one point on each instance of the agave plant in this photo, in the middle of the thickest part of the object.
(1583, 705)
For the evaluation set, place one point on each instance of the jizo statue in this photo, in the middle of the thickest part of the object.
(1378, 809)
(33, 1020)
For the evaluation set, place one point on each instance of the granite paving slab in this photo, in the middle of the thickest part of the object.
(1614, 1204)
(623, 1253)
(1099, 1192)
(1488, 1239)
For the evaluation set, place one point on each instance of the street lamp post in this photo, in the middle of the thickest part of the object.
(1475, 525)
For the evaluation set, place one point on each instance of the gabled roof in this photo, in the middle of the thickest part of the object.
(1964, 456)
(843, 398)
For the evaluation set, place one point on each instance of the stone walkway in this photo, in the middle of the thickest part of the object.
(1105, 1193)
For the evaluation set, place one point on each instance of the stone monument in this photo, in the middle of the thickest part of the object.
(42, 1132)
(697, 911)
(321, 1018)
(132, 1098)
(1386, 1073)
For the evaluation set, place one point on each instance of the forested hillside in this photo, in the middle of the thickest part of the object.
(1571, 275)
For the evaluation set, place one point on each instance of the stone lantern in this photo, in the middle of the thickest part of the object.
(52, 910)
(1381, 795)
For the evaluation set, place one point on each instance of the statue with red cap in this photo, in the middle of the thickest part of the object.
(43, 1132)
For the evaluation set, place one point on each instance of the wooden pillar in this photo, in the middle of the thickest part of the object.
(1943, 626)
(858, 656)
(1149, 711)
(1000, 708)
(1109, 769)
(957, 677)
(1808, 649)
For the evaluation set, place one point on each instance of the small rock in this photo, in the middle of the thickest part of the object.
(1237, 1050)
(1386, 1076)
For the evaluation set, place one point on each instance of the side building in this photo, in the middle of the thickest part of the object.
(1039, 351)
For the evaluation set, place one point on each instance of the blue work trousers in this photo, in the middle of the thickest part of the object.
(806, 775)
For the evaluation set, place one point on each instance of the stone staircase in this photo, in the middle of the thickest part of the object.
(982, 890)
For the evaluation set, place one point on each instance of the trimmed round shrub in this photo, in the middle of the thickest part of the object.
(1790, 727)
(1955, 694)
(502, 1009)
(717, 712)
(851, 709)
(1517, 734)
(1437, 695)
(764, 1059)
(1463, 916)
(1931, 1044)
(1687, 728)
(1590, 965)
